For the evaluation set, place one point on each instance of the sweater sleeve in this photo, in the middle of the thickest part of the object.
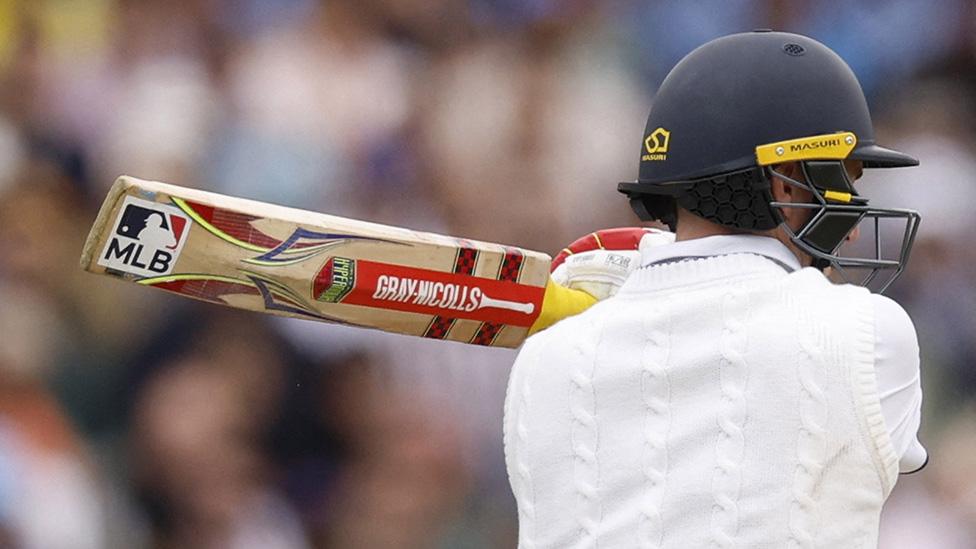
(899, 381)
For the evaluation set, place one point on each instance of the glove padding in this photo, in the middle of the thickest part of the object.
(593, 268)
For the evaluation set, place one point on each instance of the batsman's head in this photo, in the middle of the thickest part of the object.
(766, 132)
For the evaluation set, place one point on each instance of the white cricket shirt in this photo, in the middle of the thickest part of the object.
(724, 397)
(896, 345)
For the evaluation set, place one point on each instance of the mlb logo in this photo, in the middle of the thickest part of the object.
(147, 238)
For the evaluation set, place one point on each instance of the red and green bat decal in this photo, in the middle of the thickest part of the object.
(451, 295)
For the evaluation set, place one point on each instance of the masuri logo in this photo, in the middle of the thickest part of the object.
(656, 145)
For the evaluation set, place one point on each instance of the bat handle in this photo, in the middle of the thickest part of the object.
(526, 308)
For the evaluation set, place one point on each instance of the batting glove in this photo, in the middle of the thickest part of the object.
(593, 268)
(600, 262)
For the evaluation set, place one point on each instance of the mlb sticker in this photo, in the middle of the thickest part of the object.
(147, 238)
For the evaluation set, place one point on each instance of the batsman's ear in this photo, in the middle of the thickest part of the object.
(780, 190)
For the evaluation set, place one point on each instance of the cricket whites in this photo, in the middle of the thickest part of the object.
(284, 261)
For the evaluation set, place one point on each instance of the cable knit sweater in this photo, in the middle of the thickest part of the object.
(715, 402)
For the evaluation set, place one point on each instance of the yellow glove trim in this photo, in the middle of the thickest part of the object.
(560, 302)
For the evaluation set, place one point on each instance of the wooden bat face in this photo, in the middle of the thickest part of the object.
(267, 258)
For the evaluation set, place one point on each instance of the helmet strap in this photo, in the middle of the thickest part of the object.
(655, 208)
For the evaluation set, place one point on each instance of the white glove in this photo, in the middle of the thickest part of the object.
(601, 272)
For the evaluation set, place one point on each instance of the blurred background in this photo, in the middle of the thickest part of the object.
(131, 418)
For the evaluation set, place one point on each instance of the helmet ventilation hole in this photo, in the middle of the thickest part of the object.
(795, 50)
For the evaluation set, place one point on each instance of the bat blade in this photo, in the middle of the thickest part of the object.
(284, 261)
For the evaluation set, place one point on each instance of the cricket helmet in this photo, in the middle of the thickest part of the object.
(733, 109)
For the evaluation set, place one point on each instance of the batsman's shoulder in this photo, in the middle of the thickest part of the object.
(891, 322)
(887, 307)
(572, 331)
(893, 325)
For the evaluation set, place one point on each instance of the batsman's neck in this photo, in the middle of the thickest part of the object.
(690, 227)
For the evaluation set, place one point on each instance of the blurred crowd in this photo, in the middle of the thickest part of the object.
(130, 418)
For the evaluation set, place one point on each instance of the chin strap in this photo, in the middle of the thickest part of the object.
(820, 263)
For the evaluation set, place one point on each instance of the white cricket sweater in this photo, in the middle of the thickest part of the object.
(712, 402)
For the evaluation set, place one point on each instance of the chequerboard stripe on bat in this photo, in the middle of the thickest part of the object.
(233, 227)
(277, 297)
(238, 229)
(206, 287)
(464, 263)
(509, 270)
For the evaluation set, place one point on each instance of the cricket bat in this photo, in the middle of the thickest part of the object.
(290, 262)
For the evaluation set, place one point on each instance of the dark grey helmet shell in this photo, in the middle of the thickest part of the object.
(743, 90)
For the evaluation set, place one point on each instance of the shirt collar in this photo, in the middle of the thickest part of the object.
(722, 245)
